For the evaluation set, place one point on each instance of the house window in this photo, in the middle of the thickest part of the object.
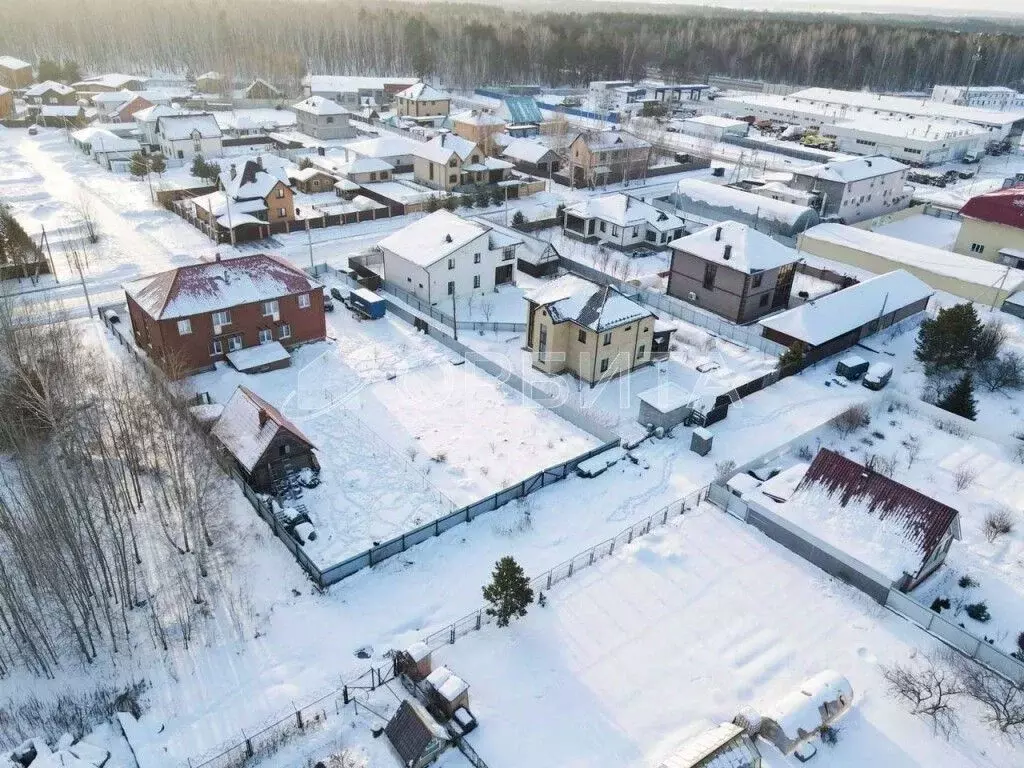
(709, 275)
(452, 179)
(507, 254)
(764, 300)
(431, 171)
(235, 343)
(451, 263)
(216, 348)
(303, 301)
(615, 231)
(181, 154)
(280, 193)
(476, 258)
(281, 212)
(220, 319)
(977, 248)
(604, 365)
(373, 175)
(756, 281)
(197, 147)
(330, 119)
(640, 352)
(582, 336)
(607, 339)
(476, 281)
(184, 327)
(603, 227)
(636, 231)
(284, 331)
(451, 287)
(266, 335)
(452, 163)
(271, 309)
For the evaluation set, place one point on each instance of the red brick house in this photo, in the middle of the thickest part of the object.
(247, 311)
(126, 112)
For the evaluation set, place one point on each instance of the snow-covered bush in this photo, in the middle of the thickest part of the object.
(998, 522)
(978, 611)
(853, 418)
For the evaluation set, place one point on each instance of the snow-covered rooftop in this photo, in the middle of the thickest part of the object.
(834, 314)
(624, 211)
(713, 748)
(102, 141)
(182, 126)
(365, 165)
(736, 246)
(923, 130)
(924, 257)
(527, 150)
(667, 396)
(383, 146)
(422, 92)
(253, 181)
(46, 86)
(111, 80)
(249, 424)
(715, 121)
(853, 169)
(597, 308)
(440, 148)
(447, 683)
(612, 140)
(319, 106)
(477, 117)
(251, 358)
(745, 202)
(154, 113)
(433, 237)
(211, 286)
(353, 83)
(10, 62)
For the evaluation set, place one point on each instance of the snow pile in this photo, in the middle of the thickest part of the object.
(887, 545)
(66, 753)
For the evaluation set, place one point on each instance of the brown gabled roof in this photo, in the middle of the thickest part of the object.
(249, 424)
(411, 730)
(924, 519)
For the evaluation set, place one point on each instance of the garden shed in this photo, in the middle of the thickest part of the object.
(666, 405)
(801, 714)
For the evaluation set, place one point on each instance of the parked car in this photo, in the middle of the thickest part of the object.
(111, 316)
(971, 157)
(328, 305)
(337, 294)
(32, 130)
(878, 375)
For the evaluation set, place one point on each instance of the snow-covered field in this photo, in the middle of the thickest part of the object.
(403, 434)
(679, 631)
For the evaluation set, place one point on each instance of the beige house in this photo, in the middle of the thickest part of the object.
(604, 157)
(422, 100)
(478, 126)
(448, 161)
(969, 278)
(732, 270)
(591, 331)
(993, 227)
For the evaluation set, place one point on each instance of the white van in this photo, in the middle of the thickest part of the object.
(878, 375)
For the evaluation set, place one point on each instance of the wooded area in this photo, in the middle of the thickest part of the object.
(465, 45)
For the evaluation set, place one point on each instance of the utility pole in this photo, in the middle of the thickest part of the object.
(309, 241)
(970, 75)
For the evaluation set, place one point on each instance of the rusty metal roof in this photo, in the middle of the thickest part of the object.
(925, 519)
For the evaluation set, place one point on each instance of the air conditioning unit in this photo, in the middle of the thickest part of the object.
(691, 296)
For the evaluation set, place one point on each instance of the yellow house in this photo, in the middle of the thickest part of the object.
(591, 331)
(478, 126)
(993, 227)
(422, 100)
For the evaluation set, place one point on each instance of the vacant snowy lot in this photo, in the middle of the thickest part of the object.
(678, 632)
(403, 434)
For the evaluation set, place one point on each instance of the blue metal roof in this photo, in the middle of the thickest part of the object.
(523, 109)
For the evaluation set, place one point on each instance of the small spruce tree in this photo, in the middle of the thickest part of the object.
(432, 204)
(792, 358)
(509, 592)
(70, 72)
(157, 164)
(138, 165)
(518, 219)
(949, 341)
(198, 168)
(483, 199)
(450, 202)
(960, 399)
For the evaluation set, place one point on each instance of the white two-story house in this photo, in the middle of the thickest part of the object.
(856, 189)
(442, 257)
(182, 137)
(322, 119)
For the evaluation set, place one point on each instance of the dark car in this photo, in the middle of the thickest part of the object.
(328, 305)
(337, 294)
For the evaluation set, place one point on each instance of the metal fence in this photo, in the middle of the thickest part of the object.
(748, 337)
(428, 309)
(866, 579)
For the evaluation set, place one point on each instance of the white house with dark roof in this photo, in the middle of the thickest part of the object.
(399, 151)
(590, 331)
(182, 137)
(442, 256)
(733, 270)
(621, 221)
(323, 119)
(422, 101)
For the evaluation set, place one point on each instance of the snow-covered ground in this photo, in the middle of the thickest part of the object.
(403, 435)
(679, 631)
(926, 230)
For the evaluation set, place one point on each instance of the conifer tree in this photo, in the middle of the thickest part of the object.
(948, 342)
(509, 592)
(960, 399)
(138, 165)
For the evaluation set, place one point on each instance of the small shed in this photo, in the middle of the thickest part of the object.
(851, 367)
(1014, 304)
(367, 303)
(415, 661)
(800, 715)
(724, 746)
(451, 690)
(700, 442)
(415, 735)
(666, 405)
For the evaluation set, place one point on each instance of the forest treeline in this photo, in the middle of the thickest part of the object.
(463, 44)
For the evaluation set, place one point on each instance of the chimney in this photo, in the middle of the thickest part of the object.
(233, 172)
(259, 162)
(263, 417)
(728, 252)
(447, 238)
(216, 256)
(718, 234)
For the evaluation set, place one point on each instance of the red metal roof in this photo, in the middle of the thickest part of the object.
(1004, 206)
(926, 520)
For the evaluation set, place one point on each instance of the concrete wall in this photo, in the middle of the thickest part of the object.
(991, 237)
